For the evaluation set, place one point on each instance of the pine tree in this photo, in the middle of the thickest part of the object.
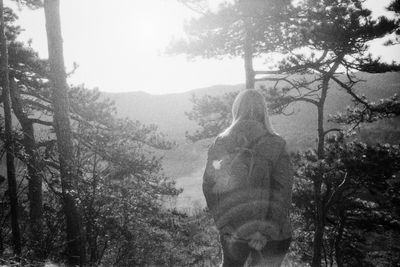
(9, 143)
(319, 39)
(75, 242)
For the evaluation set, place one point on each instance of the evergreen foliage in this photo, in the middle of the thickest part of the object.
(119, 188)
(345, 190)
(323, 38)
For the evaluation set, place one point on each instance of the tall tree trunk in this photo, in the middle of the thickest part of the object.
(319, 224)
(12, 183)
(320, 215)
(75, 244)
(319, 205)
(35, 179)
(91, 222)
(1, 243)
(248, 60)
(2, 214)
(320, 128)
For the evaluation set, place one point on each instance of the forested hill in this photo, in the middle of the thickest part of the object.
(168, 111)
(185, 163)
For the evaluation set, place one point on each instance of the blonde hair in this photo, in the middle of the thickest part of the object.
(250, 105)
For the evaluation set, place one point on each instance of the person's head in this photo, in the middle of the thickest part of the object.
(250, 105)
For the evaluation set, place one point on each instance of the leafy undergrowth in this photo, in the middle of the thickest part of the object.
(197, 244)
(18, 262)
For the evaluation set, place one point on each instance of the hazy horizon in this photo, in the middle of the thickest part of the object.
(137, 33)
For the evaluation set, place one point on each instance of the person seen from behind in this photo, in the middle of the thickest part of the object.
(248, 186)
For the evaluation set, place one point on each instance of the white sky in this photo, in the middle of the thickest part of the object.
(119, 45)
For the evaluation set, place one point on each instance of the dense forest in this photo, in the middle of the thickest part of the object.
(83, 186)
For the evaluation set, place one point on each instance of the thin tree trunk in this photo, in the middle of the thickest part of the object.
(319, 199)
(319, 225)
(248, 60)
(319, 205)
(75, 244)
(91, 218)
(321, 134)
(12, 183)
(35, 179)
(1, 243)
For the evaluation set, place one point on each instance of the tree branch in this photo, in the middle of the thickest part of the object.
(312, 65)
(350, 91)
(42, 122)
(332, 130)
(336, 193)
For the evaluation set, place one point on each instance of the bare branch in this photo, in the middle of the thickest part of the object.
(337, 192)
(332, 130)
(42, 122)
(350, 91)
(75, 66)
(312, 65)
(39, 105)
(195, 6)
(35, 94)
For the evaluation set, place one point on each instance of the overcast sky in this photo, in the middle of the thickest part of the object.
(119, 46)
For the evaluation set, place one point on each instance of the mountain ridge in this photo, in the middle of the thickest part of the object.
(185, 163)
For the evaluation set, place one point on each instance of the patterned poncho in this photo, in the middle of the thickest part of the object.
(248, 182)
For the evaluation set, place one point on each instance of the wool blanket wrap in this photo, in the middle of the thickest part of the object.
(248, 183)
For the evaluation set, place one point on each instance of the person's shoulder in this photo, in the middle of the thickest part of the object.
(218, 145)
(219, 140)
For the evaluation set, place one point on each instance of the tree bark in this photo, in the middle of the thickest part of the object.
(35, 179)
(9, 144)
(338, 249)
(319, 225)
(248, 60)
(320, 126)
(318, 198)
(319, 205)
(75, 244)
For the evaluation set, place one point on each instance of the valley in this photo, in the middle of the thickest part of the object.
(186, 161)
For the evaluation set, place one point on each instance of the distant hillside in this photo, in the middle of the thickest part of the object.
(167, 111)
(186, 162)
